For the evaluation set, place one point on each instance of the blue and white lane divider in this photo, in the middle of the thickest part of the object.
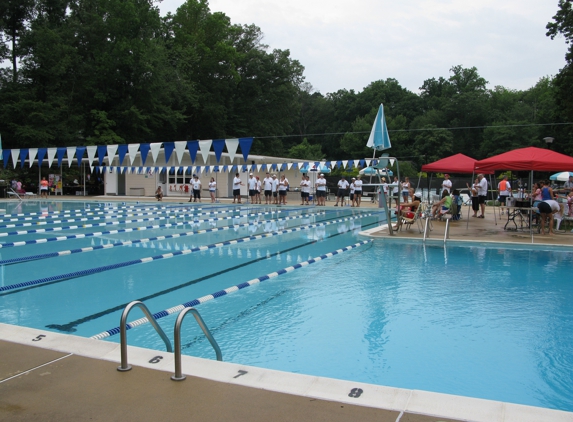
(225, 292)
(103, 224)
(110, 213)
(132, 242)
(127, 230)
(146, 260)
(75, 213)
(117, 216)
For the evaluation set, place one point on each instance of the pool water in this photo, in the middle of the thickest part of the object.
(474, 320)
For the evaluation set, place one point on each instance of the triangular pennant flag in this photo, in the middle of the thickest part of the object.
(205, 147)
(51, 155)
(391, 160)
(80, 154)
(179, 150)
(206, 169)
(218, 145)
(15, 154)
(32, 155)
(232, 145)
(246, 144)
(122, 151)
(6, 153)
(111, 152)
(168, 148)
(91, 153)
(61, 152)
(155, 148)
(23, 156)
(101, 151)
(193, 147)
(289, 165)
(132, 150)
(259, 167)
(344, 163)
(71, 151)
(144, 150)
(350, 164)
(41, 155)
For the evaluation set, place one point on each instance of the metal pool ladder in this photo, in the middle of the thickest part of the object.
(177, 339)
(123, 332)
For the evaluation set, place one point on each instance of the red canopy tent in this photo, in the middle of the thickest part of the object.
(458, 163)
(531, 158)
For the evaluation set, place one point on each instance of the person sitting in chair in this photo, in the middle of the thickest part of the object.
(443, 206)
(408, 210)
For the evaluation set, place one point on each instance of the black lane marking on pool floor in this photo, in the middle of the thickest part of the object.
(233, 319)
(70, 326)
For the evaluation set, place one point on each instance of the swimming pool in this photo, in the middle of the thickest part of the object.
(481, 321)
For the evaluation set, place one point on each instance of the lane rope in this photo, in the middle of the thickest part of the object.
(89, 271)
(145, 240)
(224, 292)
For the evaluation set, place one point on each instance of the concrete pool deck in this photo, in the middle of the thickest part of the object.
(51, 376)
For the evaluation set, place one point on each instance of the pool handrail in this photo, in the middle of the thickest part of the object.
(123, 332)
(178, 376)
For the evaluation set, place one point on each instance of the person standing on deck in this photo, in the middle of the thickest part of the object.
(342, 191)
(447, 184)
(275, 189)
(321, 190)
(252, 188)
(504, 189)
(237, 188)
(268, 188)
(283, 188)
(482, 194)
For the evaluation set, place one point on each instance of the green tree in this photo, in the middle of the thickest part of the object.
(306, 151)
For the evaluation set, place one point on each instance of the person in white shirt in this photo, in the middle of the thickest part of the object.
(321, 190)
(304, 190)
(258, 189)
(283, 187)
(351, 196)
(252, 188)
(358, 191)
(385, 190)
(447, 184)
(212, 189)
(268, 188)
(275, 189)
(196, 189)
(343, 186)
(395, 190)
(237, 188)
(482, 194)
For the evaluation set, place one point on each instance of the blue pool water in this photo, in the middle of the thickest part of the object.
(480, 321)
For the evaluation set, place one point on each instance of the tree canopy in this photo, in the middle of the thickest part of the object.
(93, 72)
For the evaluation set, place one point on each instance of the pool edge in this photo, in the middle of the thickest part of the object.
(348, 392)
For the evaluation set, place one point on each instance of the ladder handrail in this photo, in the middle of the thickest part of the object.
(123, 332)
(178, 376)
(447, 232)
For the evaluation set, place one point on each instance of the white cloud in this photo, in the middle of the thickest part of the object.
(347, 45)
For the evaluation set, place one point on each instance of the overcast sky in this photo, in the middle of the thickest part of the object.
(349, 44)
